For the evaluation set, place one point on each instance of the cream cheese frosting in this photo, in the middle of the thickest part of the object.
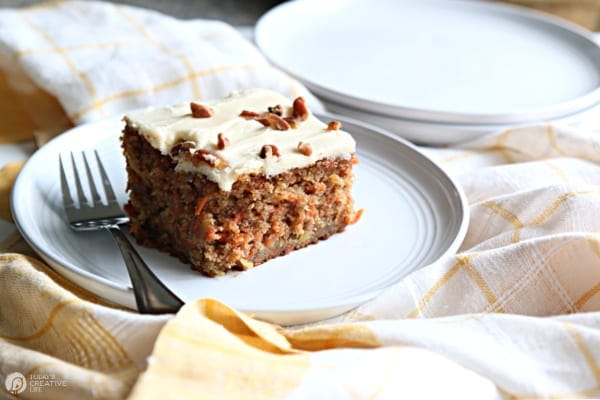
(166, 127)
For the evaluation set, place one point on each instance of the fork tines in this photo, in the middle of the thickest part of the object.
(82, 200)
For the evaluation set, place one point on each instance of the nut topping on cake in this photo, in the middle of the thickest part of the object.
(292, 121)
(334, 126)
(300, 111)
(269, 150)
(208, 157)
(222, 141)
(274, 118)
(181, 147)
(200, 110)
(249, 114)
(305, 148)
(277, 110)
(274, 121)
(270, 119)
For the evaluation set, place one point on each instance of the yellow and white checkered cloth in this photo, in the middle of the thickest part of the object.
(80, 61)
(515, 314)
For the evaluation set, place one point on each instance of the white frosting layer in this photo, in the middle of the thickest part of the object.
(165, 127)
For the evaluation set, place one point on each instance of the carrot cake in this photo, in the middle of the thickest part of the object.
(231, 183)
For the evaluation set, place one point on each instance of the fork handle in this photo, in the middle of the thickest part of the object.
(151, 295)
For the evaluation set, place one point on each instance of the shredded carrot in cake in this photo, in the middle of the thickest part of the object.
(201, 204)
(287, 195)
(238, 217)
(354, 219)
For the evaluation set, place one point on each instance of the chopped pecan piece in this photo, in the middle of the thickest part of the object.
(292, 121)
(222, 141)
(305, 148)
(300, 111)
(208, 157)
(274, 121)
(269, 150)
(274, 118)
(200, 110)
(181, 147)
(334, 126)
(277, 110)
(249, 114)
(263, 120)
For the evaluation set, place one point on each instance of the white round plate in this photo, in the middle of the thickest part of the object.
(451, 62)
(414, 214)
(432, 133)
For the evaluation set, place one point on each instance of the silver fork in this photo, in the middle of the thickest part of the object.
(151, 295)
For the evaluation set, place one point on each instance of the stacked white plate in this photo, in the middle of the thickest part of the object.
(436, 71)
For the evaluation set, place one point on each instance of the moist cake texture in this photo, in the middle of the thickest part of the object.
(231, 183)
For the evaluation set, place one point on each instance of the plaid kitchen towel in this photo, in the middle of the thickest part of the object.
(71, 62)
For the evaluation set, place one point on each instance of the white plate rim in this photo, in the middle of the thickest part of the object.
(562, 109)
(275, 314)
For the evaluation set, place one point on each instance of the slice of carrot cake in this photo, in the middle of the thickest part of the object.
(231, 183)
